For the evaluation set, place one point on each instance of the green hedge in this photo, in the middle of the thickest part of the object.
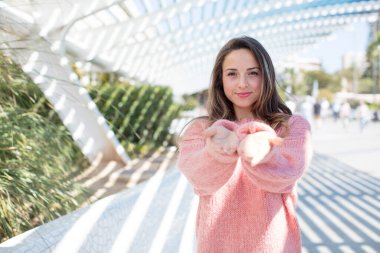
(38, 158)
(140, 115)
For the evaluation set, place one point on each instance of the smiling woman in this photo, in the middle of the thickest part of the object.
(245, 158)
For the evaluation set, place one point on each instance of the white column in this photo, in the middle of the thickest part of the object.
(51, 72)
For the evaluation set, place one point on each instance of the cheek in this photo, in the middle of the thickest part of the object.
(256, 84)
(227, 87)
(227, 92)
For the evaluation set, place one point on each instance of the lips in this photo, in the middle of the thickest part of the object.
(243, 94)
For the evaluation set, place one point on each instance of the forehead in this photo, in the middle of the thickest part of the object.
(240, 58)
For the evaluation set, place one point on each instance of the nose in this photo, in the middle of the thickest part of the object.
(243, 82)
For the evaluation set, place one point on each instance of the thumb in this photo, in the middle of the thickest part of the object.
(209, 132)
(276, 140)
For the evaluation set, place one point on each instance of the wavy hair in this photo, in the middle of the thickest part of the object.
(269, 107)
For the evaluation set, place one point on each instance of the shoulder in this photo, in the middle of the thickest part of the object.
(298, 126)
(298, 121)
(195, 127)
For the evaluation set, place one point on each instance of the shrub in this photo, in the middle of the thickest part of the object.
(37, 162)
(38, 158)
(139, 115)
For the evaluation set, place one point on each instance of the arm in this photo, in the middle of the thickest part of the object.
(283, 164)
(205, 168)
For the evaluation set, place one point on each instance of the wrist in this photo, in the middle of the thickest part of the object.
(232, 126)
(220, 155)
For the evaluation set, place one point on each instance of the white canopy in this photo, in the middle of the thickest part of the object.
(174, 42)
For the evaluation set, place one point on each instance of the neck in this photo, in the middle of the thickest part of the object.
(246, 114)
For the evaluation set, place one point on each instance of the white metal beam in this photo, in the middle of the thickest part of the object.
(50, 71)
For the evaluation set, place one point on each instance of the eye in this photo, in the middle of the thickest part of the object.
(231, 74)
(253, 73)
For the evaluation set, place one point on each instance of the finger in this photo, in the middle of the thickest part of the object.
(222, 150)
(253, 162)
(234, 147)
(213, 146)
(247, 129)
(240, 151)
(227, 150)
(276, 141)
(209, 132)
(234, 139)
(231, 151)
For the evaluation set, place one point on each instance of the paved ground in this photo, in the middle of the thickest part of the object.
(103, 179)
(360, 150)
(338, 210)
(339, 197)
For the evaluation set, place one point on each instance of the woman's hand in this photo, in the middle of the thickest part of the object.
(254, 147)
(221, 140)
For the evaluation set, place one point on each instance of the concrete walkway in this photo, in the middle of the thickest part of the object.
(339, 208)
(360, 150)
(103, 179)
(338, 211)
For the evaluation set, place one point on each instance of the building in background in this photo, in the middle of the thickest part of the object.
(354, 60)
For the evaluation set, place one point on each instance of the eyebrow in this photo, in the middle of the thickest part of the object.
(247, 68)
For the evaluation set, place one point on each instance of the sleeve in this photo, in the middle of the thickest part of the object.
(205, 169)
(280, 169)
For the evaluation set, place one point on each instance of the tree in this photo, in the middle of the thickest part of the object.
(372, 54)
(373, 58)
(325, 80)
(289, 78)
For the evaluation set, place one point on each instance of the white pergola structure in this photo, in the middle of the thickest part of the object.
(170, 42)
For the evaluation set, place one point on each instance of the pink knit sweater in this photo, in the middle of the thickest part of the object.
(243, 207)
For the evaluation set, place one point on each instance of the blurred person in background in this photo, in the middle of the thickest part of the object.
(336, 110)
(306, 109)
(317, 113)
(345, 113)
(364, 115)
(325, 109)
(376, 116)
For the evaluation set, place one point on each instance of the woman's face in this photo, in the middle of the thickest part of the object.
(242, 80)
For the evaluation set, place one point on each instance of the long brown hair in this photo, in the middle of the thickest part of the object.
(269, 106)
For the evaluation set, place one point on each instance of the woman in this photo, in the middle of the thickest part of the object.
(245, 158)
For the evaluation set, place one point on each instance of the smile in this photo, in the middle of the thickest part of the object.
(243, 94)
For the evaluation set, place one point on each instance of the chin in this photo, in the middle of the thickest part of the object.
(244, 105)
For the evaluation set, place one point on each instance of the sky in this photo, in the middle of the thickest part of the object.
(354, 38)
